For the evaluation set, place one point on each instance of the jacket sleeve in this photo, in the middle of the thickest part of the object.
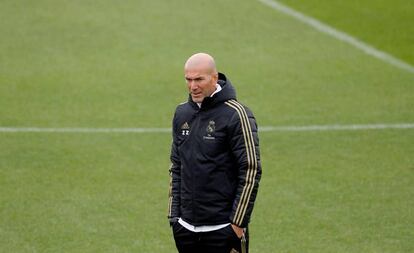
(175, 178)
(244, 144)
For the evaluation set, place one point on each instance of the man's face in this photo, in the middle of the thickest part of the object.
(200, 84)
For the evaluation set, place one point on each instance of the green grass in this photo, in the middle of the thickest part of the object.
(83, 193)
(120, 64)
(353, 194)
(384, 24)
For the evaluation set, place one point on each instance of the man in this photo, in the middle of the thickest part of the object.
(215, 168)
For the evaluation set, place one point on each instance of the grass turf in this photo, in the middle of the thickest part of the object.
(385, 25)
(107, 64)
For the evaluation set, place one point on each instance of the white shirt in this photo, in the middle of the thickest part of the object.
(197, 229)
(204, 228)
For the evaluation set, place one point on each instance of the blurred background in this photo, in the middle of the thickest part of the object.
(119, 64)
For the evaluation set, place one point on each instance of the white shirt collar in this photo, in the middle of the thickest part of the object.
(218, 89)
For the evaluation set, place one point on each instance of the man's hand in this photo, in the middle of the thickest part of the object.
(238, 230)
(173, 220)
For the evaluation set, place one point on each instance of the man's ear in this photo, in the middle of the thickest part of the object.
(215, 76)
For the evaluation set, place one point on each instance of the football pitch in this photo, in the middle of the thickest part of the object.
(119, 65)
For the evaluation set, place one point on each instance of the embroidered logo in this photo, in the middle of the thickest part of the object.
(185, 129)
(210, 129)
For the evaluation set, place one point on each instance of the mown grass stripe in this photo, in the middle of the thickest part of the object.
(342, 36)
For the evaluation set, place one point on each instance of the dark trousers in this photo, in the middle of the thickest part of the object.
(223, 240)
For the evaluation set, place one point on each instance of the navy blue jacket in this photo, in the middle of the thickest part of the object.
(215, 170)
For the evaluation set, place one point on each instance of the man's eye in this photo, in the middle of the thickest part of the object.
(195, 79)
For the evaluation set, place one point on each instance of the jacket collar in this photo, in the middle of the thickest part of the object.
(227, 92)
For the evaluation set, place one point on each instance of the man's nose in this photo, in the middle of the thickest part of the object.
(193, 85)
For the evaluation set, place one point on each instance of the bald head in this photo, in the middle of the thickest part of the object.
(201, 76)
(201, 61)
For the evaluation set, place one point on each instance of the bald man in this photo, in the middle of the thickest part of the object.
(215, 164)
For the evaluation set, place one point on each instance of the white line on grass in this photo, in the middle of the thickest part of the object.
(324, 28)
(82, 130)
(335, 127)
(168, 130)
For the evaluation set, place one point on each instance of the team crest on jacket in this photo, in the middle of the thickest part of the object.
(210, 129)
